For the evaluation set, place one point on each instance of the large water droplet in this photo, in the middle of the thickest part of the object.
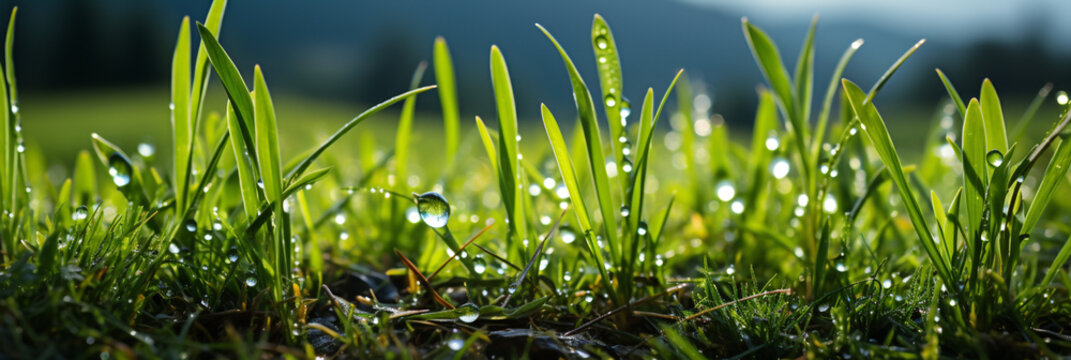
(611, 101)
(725, 190)
(568, 236)
(601, 42)
(80, 213)
(641, 228)
(994, 158)
(780, 167)
(120, 169)
(250, 281)
(1062, 98)
(433, 209)
(468, 313)
(479, 265)
(191, 225)
(772, 142)
(624, 211)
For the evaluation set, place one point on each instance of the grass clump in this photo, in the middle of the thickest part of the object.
(793, 244)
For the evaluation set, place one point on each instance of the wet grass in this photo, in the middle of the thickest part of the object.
(611, 237)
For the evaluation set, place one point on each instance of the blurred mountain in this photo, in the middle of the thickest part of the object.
(365, 51)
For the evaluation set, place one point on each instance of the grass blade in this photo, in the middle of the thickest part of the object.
(233, 83)
(608, 64)
(405, 127)
(804, 74)
(995, 132)
(1053, 178)
(308, 160)
(975, 172)
(769, 59)
(444, 77)
(597, 160)
(952, 93)
(508, 164)
(1057, 263)
(1028, 115)
(246, 179)
(874, 127)
(181, 128)
(831, 91)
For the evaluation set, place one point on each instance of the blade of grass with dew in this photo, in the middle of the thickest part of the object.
(130, 187)
(508, 166)
(597, 161)
(1053, 178)
(975, 174)
(405, 128)
(773, 69)
(608, 64)
(181, 128)
(271, 175)
(874, 127)
(565, 166)
(952, 93)
(298, 170)
(634, 193)
(827, 103)
(804, 74)
(237, 92)
(246, 180)
(993, 119)
(444, 77)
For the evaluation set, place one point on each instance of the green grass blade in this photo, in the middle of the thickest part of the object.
(200, 68)
(444, 77)
(892, 70)
(565, 166)
(405, 128)
(804, 74)
(975, 172)
(597, 160)
(952, 93)
(993, 119)
(874, 127)
(508, 164)
(308, 160)
(247, 182)
(831, 91)
(759, 161)
(608, 64)
(267, 138)
(181, 128)
(488, 144)
(1031, 110)
(1057, 263)
(233, 83)
(85, 180)
(769, 59)
(9, 58)
(1053, 178)
(635, 191)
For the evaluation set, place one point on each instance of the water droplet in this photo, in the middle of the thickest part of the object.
(830, 204)
(146, 150)
(455, 344)
(780, 168)
(260, 183)
(14, 109)
(534, 189)
(641, 228)
(174, 249)
(725, 190)
(624, 211)
(886, 283)
(568, 236)
(171, 106)
(1061, 97)
(853, 131)
(468, 313)
(737, 206)
(479, 265)
(601, 42)
(994, 158)
(841, 267)
(543, 264)
(626, 108)
(191, 225)
(433, 209)
(952, 302)
(80, 213)
(626, 165)
(21, 148)
(823, 308)
(772, 142)
(512, 288)
(120, 169)
(250, 281)
(611, 101)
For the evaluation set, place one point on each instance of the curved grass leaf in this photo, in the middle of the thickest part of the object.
(995, 131)
(508, 164)
(874, 127)
(592, 137)
(444, 77)
(1053, 178)
(952, 93)
(237, 92)
(975, 173)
